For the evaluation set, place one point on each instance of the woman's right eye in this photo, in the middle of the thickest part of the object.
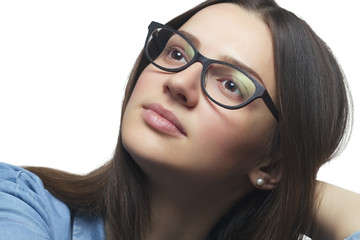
(177, 55)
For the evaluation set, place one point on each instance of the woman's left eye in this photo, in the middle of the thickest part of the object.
(231, 86)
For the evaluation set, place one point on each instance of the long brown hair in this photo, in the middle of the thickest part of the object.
(313, 102)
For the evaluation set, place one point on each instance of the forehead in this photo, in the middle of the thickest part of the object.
(227, 29)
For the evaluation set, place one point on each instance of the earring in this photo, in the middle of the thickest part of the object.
(260, 182)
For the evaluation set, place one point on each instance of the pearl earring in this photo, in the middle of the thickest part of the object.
(260, 182)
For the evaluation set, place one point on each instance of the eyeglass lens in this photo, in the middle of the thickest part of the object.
(225, 84)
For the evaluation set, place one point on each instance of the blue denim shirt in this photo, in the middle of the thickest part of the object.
(28, 211)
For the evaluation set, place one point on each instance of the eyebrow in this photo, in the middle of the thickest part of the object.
(194, 40)
(242, 66)
(225, 58)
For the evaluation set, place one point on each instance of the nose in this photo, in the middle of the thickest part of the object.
(184, 86)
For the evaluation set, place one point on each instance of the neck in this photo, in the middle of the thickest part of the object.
(188, 209)
(171, 221)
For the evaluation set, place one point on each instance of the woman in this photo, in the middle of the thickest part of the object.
(231, 109)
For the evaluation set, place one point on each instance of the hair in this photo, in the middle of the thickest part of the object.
(315, 113)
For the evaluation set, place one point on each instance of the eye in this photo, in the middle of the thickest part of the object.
(177, 55)
(231, 86)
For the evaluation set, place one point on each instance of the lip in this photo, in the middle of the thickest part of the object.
(162, 120)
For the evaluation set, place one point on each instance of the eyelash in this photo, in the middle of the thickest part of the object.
(170, 50)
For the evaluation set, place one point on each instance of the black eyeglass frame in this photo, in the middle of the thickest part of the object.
(260, 90)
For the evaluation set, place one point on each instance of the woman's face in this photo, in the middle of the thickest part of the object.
(170, 124)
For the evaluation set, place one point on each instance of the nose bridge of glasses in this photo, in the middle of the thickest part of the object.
(201, 59)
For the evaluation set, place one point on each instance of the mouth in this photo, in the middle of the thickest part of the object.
(163, 120)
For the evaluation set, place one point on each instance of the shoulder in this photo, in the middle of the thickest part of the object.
(87, 227)
(28, 210)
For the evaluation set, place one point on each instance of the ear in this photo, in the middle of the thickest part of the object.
(269, 172)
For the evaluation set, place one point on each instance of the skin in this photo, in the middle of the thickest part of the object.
(195, 177)
(338, 211)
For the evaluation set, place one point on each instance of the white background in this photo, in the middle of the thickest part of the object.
(64, 64)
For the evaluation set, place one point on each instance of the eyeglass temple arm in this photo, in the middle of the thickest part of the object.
(270, 104)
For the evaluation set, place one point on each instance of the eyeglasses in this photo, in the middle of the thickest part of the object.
(223, 83)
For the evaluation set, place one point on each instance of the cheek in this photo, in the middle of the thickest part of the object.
(232, 143)
(143, 85)
(130, 132)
